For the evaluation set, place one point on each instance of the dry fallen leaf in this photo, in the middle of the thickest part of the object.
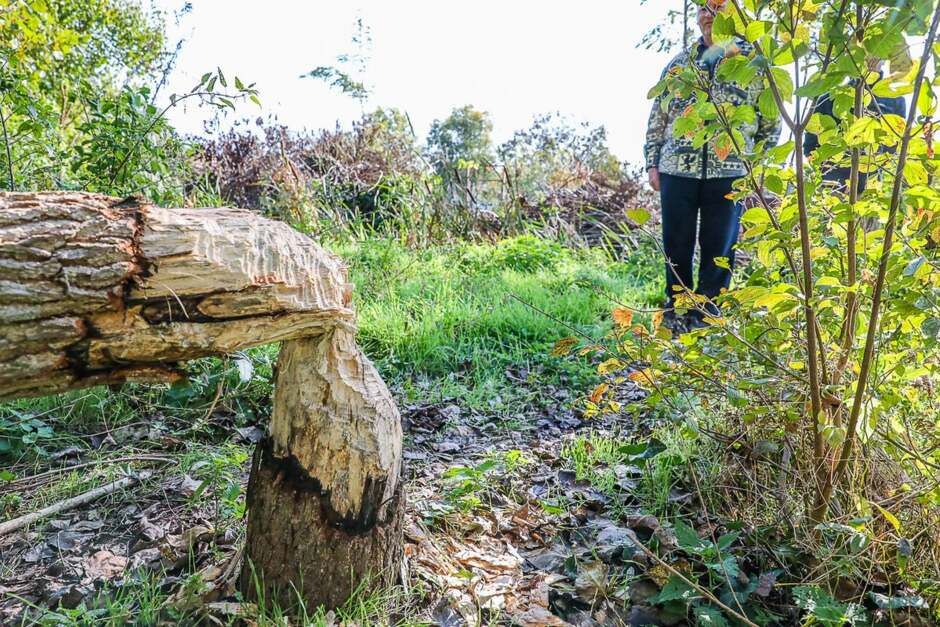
(104, 565)
(591, 583)
(538, 617)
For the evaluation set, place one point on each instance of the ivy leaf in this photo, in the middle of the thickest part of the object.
(708, 615)
(674, 590)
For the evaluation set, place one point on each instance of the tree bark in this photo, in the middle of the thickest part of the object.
(99, 290)
(328, 477)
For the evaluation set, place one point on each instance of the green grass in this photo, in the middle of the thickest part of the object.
(673, 452)
(459, 316)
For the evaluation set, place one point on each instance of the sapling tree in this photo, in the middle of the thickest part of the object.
(828, 338)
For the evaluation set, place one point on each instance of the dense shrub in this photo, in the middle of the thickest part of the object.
(375, 176)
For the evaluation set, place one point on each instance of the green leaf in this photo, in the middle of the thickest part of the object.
(640, 453)
(727, 540)
(723, 28)
(755, 215)
(727, 568)
(914, 266)
(744, 114)
(780, 153)
(755, 30)
(686, 537)
(6, 475)
(639, 215)
(884, 38)
(819, 84)
(826, 610)
(711, 616)
(674, 590)
(891, 518)
(829, 281)
(774, 183)
(767, 104)
(915, 173)
(784, 83)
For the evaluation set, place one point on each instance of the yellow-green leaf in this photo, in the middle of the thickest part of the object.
(639, 215)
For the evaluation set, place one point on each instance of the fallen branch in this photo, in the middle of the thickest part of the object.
(62, 506)
(101, 462)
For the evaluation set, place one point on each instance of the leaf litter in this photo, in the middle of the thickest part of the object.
(500, 529)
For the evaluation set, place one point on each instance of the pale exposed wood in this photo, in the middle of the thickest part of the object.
(334, 415)
(96, 290)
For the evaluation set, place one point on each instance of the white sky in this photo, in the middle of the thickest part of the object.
(513, 58)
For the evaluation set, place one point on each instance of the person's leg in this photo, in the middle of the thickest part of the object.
(718, 233)
(679, 199)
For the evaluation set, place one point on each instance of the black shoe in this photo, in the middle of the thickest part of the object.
(673, 321)
(695, 321)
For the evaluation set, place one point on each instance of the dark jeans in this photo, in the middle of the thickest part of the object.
(685, 201)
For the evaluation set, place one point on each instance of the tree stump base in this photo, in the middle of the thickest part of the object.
(327, 558)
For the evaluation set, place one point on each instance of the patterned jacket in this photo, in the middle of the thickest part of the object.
(676, 155)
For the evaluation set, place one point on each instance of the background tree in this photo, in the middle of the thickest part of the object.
(460, 148)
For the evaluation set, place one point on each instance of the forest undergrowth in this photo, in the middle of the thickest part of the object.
(527, 502)
(569, 460)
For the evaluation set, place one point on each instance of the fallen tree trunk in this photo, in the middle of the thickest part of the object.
(95, 290)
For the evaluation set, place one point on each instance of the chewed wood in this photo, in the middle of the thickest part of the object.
(95, 289)
(100, 290)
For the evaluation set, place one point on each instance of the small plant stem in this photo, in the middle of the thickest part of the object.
(6, 144)
(812, 353)
(153, 123)
(851, 301)
(701, 500)
(868, 357)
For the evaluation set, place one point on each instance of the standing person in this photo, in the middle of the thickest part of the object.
(693, 182)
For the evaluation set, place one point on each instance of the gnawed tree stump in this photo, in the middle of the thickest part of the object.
(96, 290)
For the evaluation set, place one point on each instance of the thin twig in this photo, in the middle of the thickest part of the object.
(705, 593)
(6, 143)
(56, 508)
(55, 471)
